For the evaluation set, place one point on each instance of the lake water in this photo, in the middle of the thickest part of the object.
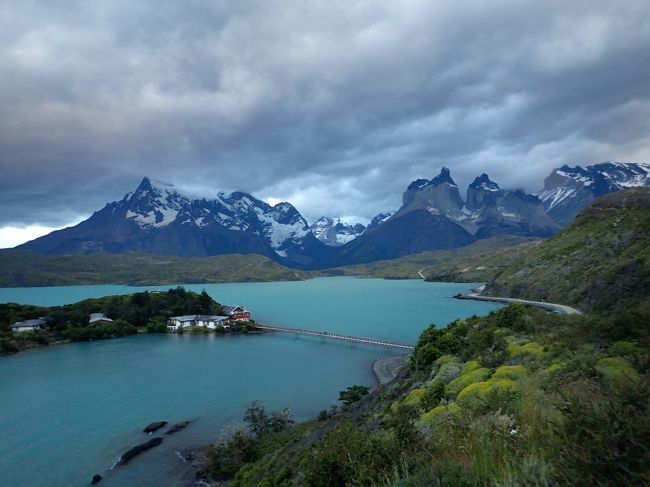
(68, 411)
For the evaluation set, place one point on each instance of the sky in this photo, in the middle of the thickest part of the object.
(334, 106)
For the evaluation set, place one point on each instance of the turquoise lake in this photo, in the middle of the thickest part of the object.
(68, 411)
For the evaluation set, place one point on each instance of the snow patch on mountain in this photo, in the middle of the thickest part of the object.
(279, 233)
(334, 232)
(553, 197)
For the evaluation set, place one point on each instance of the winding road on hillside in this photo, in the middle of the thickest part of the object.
(553, 307)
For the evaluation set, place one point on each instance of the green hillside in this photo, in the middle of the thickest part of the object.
(601, 260)
(478, 262)
(521, 397)
(24, 268)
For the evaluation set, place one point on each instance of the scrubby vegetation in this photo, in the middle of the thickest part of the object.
(146, 310)
(600, 262)
(520, 397)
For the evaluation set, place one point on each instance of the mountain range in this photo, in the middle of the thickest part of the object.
(157, 218)
(568, 189)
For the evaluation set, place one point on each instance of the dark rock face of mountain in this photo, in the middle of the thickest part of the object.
(515, 213)
(568, 189)
(495, 211)
(439, 195)
(332, 231)
(415, 231)
(156, 218)
(379, 219)
(434, 216)
(482, 192)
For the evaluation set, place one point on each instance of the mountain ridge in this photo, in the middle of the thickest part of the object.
(157, 218)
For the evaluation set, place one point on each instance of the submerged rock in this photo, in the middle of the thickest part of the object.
(128, 455)
(177, 427)
(96, 479)
(154, 426)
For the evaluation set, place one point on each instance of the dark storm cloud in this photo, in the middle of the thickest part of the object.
(334, 106)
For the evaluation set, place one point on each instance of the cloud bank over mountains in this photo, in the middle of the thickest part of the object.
(334, 105)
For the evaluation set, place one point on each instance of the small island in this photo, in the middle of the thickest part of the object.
(176, 310)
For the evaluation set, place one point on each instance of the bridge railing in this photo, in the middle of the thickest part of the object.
(337, 336)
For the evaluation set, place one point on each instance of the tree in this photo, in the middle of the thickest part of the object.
(257, 419)
(260, 422)
(353, 394)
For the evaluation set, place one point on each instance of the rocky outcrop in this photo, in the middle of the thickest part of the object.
(129, 455)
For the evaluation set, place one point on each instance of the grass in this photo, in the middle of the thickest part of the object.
(24, 268)
(479, 262)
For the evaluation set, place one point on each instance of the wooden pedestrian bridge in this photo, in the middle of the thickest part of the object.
(335, 336)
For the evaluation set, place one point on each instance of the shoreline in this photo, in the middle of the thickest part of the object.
(385, 369)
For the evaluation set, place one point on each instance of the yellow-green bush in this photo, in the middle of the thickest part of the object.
(430, 417)
(470, 366)
(460, 383)
(473, 394)
(616, 370)
(512, 372)
(533, 349)
(553, 369)
(414, 397)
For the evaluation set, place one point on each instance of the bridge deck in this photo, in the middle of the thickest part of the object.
(336, 336)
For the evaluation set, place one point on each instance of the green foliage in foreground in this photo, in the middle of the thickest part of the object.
(479, 405)
(70, 322)
(20, 268)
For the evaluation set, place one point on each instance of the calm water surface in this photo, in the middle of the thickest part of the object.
(68, 411)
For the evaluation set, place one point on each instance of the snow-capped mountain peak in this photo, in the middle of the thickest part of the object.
(154, 204)
(424, 184)
(333, 232)
(485, 183)
(569, 188)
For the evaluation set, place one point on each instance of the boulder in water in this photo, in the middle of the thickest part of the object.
(177, 427)
(96, 479)
(154, 426)
(128, 455)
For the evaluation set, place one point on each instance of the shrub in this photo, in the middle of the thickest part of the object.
(470, 366)
(414, 397)
(616, 370)
(531, 348)
(447, 372)
(512, 372)
(483, 393)
(460, 383)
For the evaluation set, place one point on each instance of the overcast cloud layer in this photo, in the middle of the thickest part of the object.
(333, 105)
